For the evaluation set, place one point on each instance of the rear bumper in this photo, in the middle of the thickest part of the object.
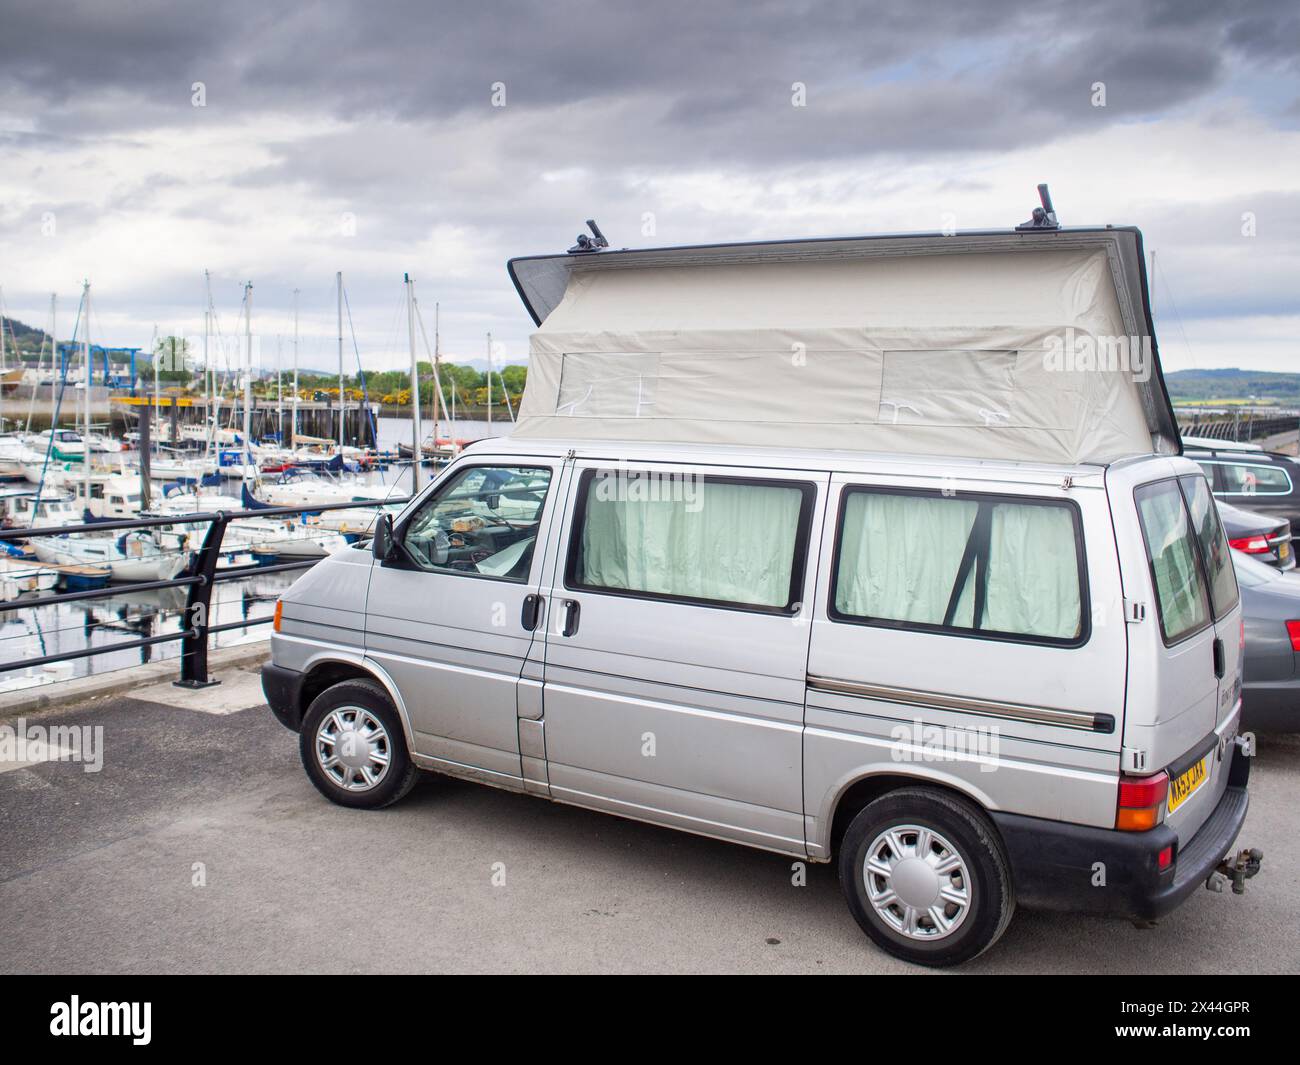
(283, 690)
(1059, 866)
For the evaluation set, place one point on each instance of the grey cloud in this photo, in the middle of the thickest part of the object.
(609, 97)
(709, 65)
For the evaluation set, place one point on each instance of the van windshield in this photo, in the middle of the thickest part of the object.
(483, 521)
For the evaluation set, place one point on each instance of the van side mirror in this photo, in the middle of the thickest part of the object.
(381, 545)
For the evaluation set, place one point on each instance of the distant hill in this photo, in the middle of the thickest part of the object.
(27, 338)
(1259, 386)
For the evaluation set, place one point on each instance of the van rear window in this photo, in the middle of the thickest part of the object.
(1215, 552)
(1180, 589)
(994, 566)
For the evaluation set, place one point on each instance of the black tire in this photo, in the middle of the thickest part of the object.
(969, 833)
(395, 780)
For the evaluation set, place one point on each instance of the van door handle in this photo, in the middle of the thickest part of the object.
(571, 613)
(1219, 665)
(531, 612)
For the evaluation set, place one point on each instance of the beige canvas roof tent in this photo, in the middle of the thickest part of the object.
(1033, 344)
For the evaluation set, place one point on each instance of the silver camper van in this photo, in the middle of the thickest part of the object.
(878, 551)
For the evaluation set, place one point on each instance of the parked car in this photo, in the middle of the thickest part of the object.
(977, 639)
(1270, 605)
(1263, 481)
(1260, 536)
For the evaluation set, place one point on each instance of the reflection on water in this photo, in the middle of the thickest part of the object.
(128, 615)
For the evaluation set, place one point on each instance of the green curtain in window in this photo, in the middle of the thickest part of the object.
(899, 556)
(1033, 581)
(727, 542)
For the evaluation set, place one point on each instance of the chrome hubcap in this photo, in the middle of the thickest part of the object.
(917, 882)
(352, 748)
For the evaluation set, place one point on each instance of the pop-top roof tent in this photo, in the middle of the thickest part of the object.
(1033, 344)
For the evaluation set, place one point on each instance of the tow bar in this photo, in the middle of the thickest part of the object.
(1238, 870)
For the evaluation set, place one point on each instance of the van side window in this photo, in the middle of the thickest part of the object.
(1215, 553)
(713, 541)
(1167, 532)
(482, 522)
(1254, 479)
(994, 566)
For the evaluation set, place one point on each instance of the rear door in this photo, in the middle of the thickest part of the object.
(1179, 648)
(1221, 582)
(1198, 780)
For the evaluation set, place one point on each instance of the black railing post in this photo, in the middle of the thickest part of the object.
(198, 605)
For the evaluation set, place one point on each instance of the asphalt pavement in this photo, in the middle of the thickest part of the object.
(200, 846)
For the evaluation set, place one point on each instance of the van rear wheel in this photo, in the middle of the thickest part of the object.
(925, 876)
(353, 747)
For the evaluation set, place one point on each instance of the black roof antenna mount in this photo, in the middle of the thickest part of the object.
(591, 243)
(1043, 217)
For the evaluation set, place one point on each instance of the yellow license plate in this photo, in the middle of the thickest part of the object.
(1284, 551)
(1187, 783)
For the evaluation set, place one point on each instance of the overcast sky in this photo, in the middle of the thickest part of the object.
(366, 138)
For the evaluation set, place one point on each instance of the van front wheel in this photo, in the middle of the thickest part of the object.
(925, 876)
(353, 747)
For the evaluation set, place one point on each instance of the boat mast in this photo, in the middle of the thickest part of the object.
(437, 377)
(279, 394)
(248, 376)
(85, 440)
(209, 428)
(489, 390)
(416, 454)
(342, 406)
(293, 428)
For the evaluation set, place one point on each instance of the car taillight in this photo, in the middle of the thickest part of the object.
(1165, 858)
(275, 621)
(1293, 630)
(1250, 545)
(1141, 802)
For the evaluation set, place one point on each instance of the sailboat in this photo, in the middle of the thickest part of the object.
(140, 555)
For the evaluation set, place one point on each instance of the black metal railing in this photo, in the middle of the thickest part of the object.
(1242, 426)
(200, 576)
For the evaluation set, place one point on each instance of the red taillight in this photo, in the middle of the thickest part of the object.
(275, 620)
(1141, 802)
(1251, 545)
(1293, 630)
(1165, 858)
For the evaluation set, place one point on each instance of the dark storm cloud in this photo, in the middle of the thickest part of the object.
(382, 110)
(719, 74)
